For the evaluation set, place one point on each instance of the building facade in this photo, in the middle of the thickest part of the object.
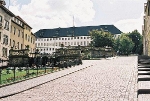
(17, 33)
(146, 29)
(5, 27)
(14, 33)
(48, 40)
(29, 38)
(21, 35)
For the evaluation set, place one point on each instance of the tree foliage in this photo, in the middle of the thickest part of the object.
(100, 38)
(136, 37)
(123, 45)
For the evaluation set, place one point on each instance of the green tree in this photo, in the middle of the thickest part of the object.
(125, 45)
(136, 37)
(100, 38)
(116, 44)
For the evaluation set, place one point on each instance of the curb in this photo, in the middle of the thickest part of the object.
(7, 95)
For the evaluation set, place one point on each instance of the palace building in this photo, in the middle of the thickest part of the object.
(48, 40)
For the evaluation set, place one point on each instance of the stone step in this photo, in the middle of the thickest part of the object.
(145, 62)
(144, 97)
(144, 66)
(143, 69)
(144, 87)
(144, 78)
(143, 72)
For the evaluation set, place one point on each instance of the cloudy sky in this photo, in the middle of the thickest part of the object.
(127, 15)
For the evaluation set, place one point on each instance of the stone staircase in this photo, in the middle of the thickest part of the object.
(143, 78)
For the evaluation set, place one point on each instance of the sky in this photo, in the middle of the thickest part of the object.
(126, 15)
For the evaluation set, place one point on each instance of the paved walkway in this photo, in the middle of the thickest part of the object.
(107, 80)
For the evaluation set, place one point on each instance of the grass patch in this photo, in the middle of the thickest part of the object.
(7, 75)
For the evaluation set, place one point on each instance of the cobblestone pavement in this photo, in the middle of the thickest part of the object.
(107, 80)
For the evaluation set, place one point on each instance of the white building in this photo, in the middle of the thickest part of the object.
(50, 39)
(48, 45)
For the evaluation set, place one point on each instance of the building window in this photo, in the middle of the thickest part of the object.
(10, 43)
(14, 30)
(22, 35)
(1, 19)
(21, 46)
(21, 23)
(84, 43)
(38, 44)
(31, 39)
(6, 25)
(18, 45)
(87, 43)
(18, 33)
(11, 29)
(13, 45)
(5, 39)
(26, 37)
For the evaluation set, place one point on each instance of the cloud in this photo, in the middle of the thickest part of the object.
(128, 25)
(54, 13)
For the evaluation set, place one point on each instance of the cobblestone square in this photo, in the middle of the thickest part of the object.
(107, 80)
